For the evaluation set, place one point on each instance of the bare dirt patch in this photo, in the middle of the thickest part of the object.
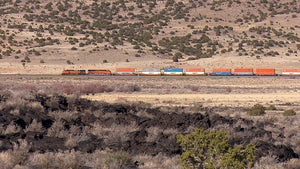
(206, 99)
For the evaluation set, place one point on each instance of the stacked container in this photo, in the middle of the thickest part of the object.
(291, 72)
(243, 72)
(125, 71)
(221, 72)
(151, 71)
(173, 71)
(265, 72)
(99, 72)
(194, 72)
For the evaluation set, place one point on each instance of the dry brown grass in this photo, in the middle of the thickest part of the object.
(158, 161)
(114, 133)
(73, 135)
(153, 133)
(34, 126)
(18, 155)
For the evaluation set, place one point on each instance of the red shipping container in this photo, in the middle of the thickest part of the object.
(194, 71)
(221, 70)
(243, 70)
(265, 71)
(125, 70)
(290, 71)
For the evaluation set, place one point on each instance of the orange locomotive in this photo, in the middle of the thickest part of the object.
(99, 72)
(73, 72)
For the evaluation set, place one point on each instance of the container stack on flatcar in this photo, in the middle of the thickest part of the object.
(221, 72)
(99, 72)
(290, 72)
(125, 71)
(73, 72)
(151, 71)
(265, 72)
(194, 71)
(243, 72)
(173, 71)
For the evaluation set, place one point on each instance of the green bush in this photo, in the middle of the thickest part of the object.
(210, 149)
(271, 107)
(289, 112)
(256, 110)
(175, 58)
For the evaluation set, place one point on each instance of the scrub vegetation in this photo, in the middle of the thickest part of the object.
(43, 128)
(166, 28)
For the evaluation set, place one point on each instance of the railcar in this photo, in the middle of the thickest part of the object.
(99, 72)
(173, 71)
(194, 72)
(290, 72)
(151, 72)
(73, 72)
(243, 72)
(221, 72)
(125, 71)
(265, 72)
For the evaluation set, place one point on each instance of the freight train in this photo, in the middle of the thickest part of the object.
(186, 72)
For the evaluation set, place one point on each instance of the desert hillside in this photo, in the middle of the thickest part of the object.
(45, 37)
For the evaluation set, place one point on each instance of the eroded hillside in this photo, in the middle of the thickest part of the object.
(104, 33)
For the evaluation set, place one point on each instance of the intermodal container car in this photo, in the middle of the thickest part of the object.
(173, 71)
(243, 72)
(221, 72)
(99, 72)
(194, 71)
(125, 71)
(73, 72)
(151, 71)
(291, 72)
(265, 72)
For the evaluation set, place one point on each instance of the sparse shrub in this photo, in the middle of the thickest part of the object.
(4, 95)
(271, 107)
(12, 128)
(130, 88)
(210, 149)
(73, 140)
(69, 62)
(57, 129)
(228, 89)
(105, 61)
(256, 110)
(194, 88)
(118, 160)
(73, 48)
(289, 112)
(17, 156)
(62, 159)
(178, 55)
(175, 58)
(34, 126)
(153, 133)
(27, 59)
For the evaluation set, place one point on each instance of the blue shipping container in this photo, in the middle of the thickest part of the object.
(222, 73)
(173, 70)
